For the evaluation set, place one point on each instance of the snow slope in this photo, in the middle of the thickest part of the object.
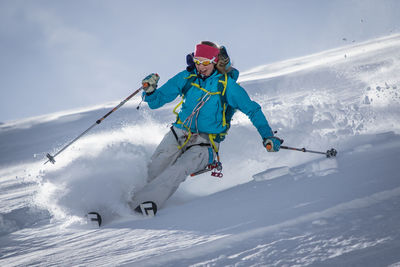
(300, 209)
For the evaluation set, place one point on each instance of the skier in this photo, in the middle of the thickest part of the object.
(210, 97)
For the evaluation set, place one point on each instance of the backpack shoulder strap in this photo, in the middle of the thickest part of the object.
(222, 84)
(223, 81)
(189, 80)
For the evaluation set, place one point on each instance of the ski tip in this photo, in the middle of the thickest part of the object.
(148, 208)
(95, 217)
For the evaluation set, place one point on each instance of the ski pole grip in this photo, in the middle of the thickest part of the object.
(268, 146)
(145, 85)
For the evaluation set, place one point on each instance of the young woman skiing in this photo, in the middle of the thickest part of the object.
(210, 96)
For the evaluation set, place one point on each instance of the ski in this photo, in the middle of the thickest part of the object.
(146, 209)
(95, 217)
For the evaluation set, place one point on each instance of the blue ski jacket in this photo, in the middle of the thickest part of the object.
(210, 117)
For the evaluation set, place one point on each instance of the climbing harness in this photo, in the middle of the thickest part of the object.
(215, 166)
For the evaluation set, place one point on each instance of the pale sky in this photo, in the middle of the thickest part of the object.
(65, 54)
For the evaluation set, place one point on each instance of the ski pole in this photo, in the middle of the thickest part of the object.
(329, 153)
(51, 158)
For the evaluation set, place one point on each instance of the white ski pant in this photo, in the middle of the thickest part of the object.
(169, 166)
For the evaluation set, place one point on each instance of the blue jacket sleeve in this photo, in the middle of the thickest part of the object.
(167, 92)
(238, 98)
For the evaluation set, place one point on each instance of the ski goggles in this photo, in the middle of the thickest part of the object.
(203, 62)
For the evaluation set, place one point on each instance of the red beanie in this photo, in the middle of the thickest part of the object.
(206, 51)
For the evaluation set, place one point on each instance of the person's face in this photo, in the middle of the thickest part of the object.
(201, 68)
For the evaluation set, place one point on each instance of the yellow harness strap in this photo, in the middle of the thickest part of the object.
(223, 116)
(187, 139)
(224, 83)
(174, 111)
(190, 76)
(212, 137)
(204, 90)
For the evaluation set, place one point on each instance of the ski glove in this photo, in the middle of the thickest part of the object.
(272, 143)
(223, 59)
(150, 83)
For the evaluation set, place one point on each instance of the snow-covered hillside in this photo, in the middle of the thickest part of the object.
(300, 209)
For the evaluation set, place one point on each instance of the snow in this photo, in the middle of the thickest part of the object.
(270, 209)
